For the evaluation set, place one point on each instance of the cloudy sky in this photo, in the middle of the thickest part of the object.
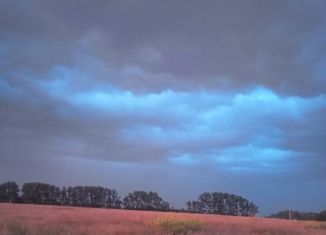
(178, 97)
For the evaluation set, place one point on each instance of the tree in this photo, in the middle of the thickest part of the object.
(195, 207)
(322, 215)
(9, 192)
(296, 215)
(141, 200)
(76, 195)
(222, 203)
(91, 196)
(40, 193)
(111, 198)
(64, 197)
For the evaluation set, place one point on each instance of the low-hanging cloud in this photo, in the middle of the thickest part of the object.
(179, 91)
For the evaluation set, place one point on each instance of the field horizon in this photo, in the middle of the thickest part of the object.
(48, 219)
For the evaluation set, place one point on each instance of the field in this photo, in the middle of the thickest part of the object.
(17, 219)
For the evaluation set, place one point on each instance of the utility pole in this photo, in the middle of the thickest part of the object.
(289, 214)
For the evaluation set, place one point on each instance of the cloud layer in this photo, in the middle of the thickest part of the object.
(226, 96)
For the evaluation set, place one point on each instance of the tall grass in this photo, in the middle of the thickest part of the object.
(177, 226)
(19, 219)
(16, 228)
(315, 225)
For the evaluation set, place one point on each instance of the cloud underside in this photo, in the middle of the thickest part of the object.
(254, 132)
(229, 89)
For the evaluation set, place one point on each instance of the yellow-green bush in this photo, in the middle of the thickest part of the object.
(315, 225)
(176, 226)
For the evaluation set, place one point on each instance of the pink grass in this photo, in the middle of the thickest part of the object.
(37, 219)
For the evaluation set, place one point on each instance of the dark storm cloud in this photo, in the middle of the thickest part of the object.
(209, 45)
(235, 89)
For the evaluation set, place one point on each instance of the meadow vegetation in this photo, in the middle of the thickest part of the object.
(23, 219)
(177, 226)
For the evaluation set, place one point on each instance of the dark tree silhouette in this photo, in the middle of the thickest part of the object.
(222, 203)
(40, 193)
(322, 215)
(296, 215)
(64, 197)
(90, 196)
(9, 192)
(141, 200)
(100, 197)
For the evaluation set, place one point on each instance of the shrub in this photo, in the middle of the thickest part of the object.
(315, 225)
(176, 226)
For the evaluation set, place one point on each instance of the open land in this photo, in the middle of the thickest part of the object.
(50, 220)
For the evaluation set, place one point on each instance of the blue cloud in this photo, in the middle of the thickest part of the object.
(184, 159)
(243, 104)
(236, 130)
(256, 158)
(198, 121)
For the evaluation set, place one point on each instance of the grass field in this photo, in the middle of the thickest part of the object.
(17, 219)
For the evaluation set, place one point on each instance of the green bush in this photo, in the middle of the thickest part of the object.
(315, 225)
(176, 226)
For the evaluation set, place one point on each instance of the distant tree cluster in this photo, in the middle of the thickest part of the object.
(100, 197)
(299, 215)
(85, 196)
(39, 193)
(223, 204)
(9, 192)
(322, 215)
(140, 200)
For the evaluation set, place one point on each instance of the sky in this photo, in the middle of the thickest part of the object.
(177, 97)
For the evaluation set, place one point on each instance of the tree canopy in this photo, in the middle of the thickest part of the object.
(101, 197)
(9, 192)
(85, 196)
(222, 203)
(141, 200)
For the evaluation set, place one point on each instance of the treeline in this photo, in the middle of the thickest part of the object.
(140, 200)
(82, 196)
(40, 193)
(299, 215)
(223, 204)
(100, 197)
